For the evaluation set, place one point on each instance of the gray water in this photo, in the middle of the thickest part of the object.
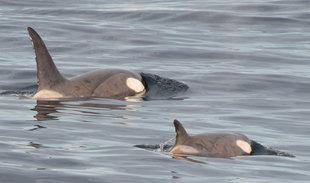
(247, 64)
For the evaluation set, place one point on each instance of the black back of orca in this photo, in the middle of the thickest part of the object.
(158, 87)
(258, 149)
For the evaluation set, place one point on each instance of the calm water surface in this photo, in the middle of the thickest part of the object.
(247, 64)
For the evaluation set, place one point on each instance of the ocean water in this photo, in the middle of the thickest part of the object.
(247, 64)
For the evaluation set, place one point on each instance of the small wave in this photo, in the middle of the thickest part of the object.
(23, 92)
(163, 147)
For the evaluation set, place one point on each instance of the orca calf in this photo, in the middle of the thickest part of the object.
(217, 145)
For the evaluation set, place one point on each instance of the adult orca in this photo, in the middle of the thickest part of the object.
(107, 83)
(217, 145)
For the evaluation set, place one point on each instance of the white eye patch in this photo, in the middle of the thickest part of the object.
(245, 146)
(135, 85)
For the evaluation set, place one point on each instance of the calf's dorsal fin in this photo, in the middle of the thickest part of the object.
(47, 72)
(181, 134)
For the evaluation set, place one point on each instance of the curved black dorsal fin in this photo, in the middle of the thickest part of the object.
(181, 134)
(47, 73)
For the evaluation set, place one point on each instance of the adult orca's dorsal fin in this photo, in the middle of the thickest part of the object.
(181, 134)
(47, 72)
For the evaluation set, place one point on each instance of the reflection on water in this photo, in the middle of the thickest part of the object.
(36, 127)
(46, 109)
(35, 145)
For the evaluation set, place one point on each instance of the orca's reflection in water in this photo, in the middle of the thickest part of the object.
(47, 109)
